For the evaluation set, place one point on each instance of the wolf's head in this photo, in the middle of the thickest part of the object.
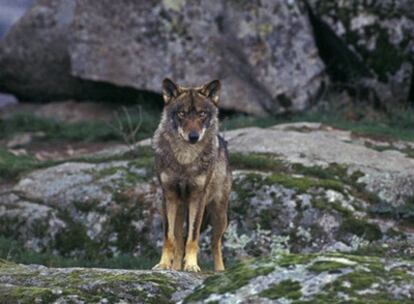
(191, 113)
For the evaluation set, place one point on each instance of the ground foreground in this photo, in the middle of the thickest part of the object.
(287, 278)
(316, 213)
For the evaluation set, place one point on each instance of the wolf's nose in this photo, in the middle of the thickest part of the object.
(193, 137)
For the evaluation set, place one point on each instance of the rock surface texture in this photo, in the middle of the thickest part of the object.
(306, 187)
(287, 278)
(34, 58)
(263, 52)
(380, 34)
(333, 210)
(39, 284)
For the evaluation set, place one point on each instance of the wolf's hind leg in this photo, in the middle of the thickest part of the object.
(170, 205)
(219, 225)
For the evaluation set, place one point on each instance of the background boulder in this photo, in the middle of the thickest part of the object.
(264, 53)
(375, 45)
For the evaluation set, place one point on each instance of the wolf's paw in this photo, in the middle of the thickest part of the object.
(162, 266)
(192, 268)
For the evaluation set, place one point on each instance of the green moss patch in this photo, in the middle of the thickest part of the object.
(15, 251)
(87, 285)
(303, 184)
(360, 228)
(27, 295)
(12, 166)
(329, 266)
(234, 278)
(285, 289)
(256, 161)
(403, 213)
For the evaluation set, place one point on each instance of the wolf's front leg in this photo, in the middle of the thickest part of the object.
(169, 210)
(196, 206)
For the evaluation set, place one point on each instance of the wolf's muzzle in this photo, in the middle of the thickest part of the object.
(193, 137)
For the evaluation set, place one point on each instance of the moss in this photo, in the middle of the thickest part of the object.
(164, 284)
(75, 238)
(12, 166)
(294, 259)
(285, 289)
(29, 295)
(330, 266)
(130, 209)
(403, 213)
(302, 184)
(397, 248)
(256, 161)
(360, 228)
(94, 131)
(359, 280)
(339, 172)
(229, 281)
(323, 204)
(386, 58)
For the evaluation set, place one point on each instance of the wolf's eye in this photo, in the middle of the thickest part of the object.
(181, 114)
(202, 114)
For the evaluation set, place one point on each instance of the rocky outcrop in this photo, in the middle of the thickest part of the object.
(382, 167)
(305, 188)
(326, 278)
(306, 221)
(283, 278)
(84, 209)
(39, 284)
(264, 53)
(379, 36)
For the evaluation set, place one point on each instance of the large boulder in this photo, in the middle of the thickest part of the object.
(380, 38)
(34, 60)
(264, 53)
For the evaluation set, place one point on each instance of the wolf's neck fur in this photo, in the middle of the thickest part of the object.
(184, 152)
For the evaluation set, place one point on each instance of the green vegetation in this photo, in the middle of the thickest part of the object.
(350, 275)
(396, 123)
(403, 213)
(85, 285)
(14, 251)
(361, 228)
(286, 289)
(234, 278)
(11, 165)
(80, 131)
(302, 184)
(27, 294)
(330, 266)
(257, 161)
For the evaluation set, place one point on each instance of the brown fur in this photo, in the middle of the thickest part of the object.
(195, 176)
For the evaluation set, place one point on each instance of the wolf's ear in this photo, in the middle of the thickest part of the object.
(169, 90)
(212, 91)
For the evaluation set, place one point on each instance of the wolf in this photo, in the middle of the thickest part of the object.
(191, 164)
